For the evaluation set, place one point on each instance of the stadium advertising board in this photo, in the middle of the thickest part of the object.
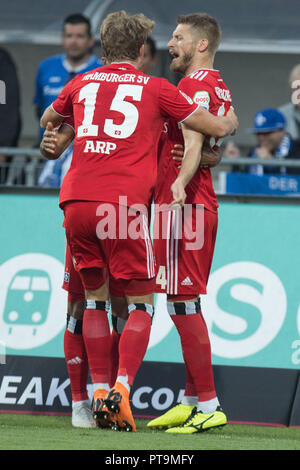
(252, 308)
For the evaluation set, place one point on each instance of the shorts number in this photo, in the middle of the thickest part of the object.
(161, 277)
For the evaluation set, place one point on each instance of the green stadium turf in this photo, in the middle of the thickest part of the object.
(37, 432)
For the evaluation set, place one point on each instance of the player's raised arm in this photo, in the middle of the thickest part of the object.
(52, 116)
(208, 124)
(55, 142)
(193, 142)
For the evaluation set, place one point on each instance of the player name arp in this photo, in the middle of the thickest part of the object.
(98, 146)
(116, 78)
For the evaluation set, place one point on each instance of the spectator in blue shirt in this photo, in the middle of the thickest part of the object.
(273, 142)
(53, 74)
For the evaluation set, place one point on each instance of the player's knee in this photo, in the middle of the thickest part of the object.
(76, 308)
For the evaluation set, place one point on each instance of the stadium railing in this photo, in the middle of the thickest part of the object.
(26, 164)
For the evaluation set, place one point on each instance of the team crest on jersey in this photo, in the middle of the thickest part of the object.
(202, 98)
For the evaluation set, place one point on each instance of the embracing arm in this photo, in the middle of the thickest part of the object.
(208, 124)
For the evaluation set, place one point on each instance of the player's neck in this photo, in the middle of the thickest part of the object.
(200, 63)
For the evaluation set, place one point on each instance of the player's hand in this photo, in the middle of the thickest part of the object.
(178, 152)
(179, 195)
(235, 123)
(49, 141)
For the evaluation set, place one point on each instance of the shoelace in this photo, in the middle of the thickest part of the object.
(194, 411)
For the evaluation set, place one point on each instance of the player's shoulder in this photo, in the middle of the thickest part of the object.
(55, 60)
(203, 76)
(208, 80)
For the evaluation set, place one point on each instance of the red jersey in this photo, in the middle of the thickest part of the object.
(118, 117)
(205, 87)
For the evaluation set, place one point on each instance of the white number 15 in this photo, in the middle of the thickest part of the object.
(131, 115)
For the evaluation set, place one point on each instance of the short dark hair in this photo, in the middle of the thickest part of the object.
(152, 46)
(206, 25)
(78, 18)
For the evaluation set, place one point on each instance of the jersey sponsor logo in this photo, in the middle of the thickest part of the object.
(52, 91)
(202, 98)
(223, 94)
(97, 146)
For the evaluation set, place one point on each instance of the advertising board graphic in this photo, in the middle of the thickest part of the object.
(252, 308)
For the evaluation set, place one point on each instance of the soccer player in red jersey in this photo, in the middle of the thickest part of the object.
(118, 115)
(184, 260)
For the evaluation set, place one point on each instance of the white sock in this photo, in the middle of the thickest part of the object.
(123, 379)
(104, 386)
(75, 404)
(189, 400)
(208, 406)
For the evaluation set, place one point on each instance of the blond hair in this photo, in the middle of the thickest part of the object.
(206, 27)
(122, 35)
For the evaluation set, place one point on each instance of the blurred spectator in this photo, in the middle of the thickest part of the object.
(291, 110)
(272, 142)
(54, 72)
(10, 116)
(150, 56)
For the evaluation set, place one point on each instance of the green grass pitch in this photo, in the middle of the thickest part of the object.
(38, 432)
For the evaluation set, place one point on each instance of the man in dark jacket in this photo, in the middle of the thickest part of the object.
(10, 116)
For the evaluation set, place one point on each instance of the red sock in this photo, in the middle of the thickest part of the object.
(196, 352)
(114, 357)
(96, 334)
(133, 343)
(190, 389)
(77, 365)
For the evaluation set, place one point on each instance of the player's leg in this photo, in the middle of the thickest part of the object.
(187, 316)
(119, 311)
(74, 348)
(138, 288)
(81, 222)
(132, 348)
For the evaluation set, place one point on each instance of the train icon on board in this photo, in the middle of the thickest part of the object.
(28, 299)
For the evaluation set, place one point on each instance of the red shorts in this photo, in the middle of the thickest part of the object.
(183, 246)
(88, 225)
(72, 280)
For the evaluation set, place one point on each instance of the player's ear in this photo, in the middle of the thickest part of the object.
(142, 51)
(104, 60)
(202, 45)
